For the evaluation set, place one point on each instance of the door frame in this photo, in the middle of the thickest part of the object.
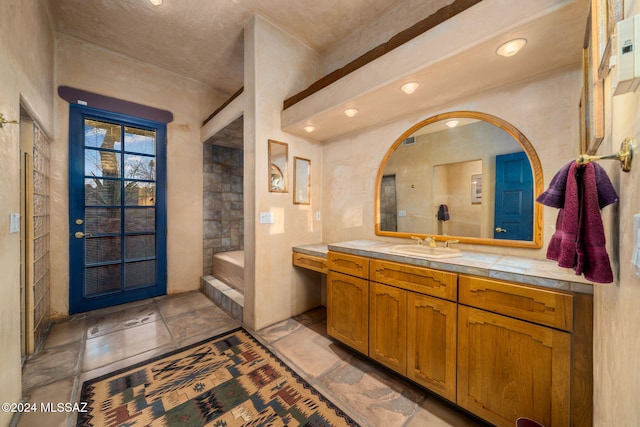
(77, 301)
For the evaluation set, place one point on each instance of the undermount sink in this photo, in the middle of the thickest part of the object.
(426, 251)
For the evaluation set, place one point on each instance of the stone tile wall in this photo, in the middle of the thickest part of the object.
(223, 202)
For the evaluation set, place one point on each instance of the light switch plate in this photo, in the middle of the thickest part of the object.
(14, 223)
(266, 218)
(317, 215)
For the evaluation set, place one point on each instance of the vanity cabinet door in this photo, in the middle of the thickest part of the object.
(431, 343)
(388, 326)
(509, 368)
(348, 310)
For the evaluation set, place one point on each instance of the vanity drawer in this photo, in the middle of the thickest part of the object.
(543, 306)
(310, 262)
(348, 264)
(423, 280)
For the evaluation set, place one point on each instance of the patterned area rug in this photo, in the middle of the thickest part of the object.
(229, 380)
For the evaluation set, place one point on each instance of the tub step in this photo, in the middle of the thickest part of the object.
(225, 297)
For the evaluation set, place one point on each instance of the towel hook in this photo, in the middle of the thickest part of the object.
(4, 121)
(625, 155)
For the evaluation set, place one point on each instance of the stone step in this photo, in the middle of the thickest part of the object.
(225, 297)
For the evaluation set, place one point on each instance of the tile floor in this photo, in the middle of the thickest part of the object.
(96, 343)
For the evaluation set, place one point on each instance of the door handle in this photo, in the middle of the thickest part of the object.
(80, 235)
(501, 230)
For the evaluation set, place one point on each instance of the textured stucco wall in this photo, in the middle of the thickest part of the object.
(26, 71)
(276, 66)
(616, 317)
(543, 109)
(91, 68)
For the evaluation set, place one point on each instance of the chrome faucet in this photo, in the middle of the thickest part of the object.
(431, 241)
(419, 239)
(449, 242)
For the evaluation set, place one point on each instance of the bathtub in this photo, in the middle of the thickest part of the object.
(228, 267)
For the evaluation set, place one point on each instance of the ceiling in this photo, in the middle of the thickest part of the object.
(555, 39)
(203, 39)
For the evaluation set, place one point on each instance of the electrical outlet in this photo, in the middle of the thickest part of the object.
(317, 215)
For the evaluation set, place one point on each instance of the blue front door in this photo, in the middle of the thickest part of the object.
(513, 217)
(117, 209)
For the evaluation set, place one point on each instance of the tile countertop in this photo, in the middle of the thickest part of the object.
(538, 272)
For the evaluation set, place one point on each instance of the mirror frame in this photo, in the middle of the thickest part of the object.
(536, 168)
(301, 181)
(273, 167)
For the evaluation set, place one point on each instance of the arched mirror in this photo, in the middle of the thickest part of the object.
(462, 175)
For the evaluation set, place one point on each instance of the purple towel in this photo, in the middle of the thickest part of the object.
(443, 213)
(579, 240)
(593, 259)
(554, 196)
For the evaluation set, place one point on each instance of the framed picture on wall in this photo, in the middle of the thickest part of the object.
(476, 188)
(602, 27)
(592, 99)
(598, 45)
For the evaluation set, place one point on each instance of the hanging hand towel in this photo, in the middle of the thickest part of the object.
(443, 213)
(579, 240)
(592, 259)
(562, 246)
(554, 196)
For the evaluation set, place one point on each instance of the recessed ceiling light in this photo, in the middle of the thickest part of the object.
(309, 128)
(350, 112)
(155, 2)
(511, 47)
(452, 123)
(410, 87)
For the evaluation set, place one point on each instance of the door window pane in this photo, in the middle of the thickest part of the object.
(103, 279)
(101, 192)
(102, 163)
(139, 140)
(102, 135)
(103, 249)
(140, 193)
(102, 220)
(141, 246)
(139, 167)
(139, 274)
(139, 219)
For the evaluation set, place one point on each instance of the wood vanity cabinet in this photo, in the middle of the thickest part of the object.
(524, 352)
(498, 349)
(348, 300)
(411, 331)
